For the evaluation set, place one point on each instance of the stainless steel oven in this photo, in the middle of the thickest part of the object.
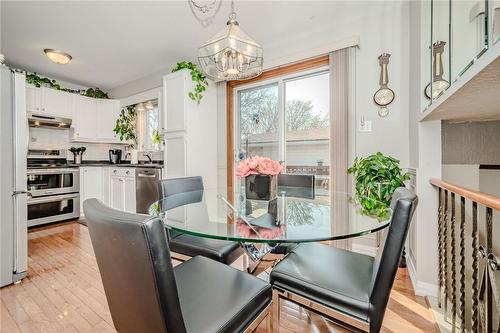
(42, 182)
(53, 208)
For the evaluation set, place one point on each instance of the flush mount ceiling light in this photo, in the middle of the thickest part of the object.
(59, 57)
(231, 54)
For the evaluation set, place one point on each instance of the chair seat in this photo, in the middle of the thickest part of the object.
(339, 279)
(218, 298)
(223, 251)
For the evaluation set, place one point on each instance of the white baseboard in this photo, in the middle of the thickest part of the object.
(421, 288)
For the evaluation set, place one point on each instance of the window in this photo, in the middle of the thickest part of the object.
(288, 120)
(147, 125)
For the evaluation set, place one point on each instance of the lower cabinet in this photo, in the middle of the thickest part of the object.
(113, 186)
(122, 189)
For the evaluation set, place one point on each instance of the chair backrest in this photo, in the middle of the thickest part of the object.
(136, 270)
(168, 187)
(295, 180)
(403, 205)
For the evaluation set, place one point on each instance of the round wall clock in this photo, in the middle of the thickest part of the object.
(385, 95)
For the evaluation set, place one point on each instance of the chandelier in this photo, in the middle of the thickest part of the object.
(231, 54)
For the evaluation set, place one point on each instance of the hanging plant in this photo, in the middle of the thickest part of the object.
(125, 125)
(197, 76)
(377, 177)
(37, 81)
(156, 137)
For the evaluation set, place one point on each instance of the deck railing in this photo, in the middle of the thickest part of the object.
(472, 301)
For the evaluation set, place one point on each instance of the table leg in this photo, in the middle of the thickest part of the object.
(255, 254)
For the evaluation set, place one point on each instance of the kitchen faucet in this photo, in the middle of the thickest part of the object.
(148, 155)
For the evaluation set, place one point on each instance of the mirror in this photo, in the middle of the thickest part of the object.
(426, 54)
(440, 50)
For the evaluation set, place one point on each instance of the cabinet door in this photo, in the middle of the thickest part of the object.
(86, 126)
(107, 113)
(175, 93)
(175, 157)
(33, 99)
(92, 183)
(57, 103)
(116, 192)
(129, 194)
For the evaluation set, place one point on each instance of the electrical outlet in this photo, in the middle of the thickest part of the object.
(365, 125)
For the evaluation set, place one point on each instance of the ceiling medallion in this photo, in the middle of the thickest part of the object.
(231, 54)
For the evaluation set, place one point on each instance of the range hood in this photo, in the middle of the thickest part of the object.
(39, 120)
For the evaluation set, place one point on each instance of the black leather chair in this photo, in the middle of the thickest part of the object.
(348, 287)
(183, 191)
(146, 294)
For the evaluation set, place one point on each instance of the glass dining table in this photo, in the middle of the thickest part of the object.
(295, 215)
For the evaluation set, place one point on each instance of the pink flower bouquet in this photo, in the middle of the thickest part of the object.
(257, 165)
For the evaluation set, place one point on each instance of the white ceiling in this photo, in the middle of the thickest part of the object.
(116, 42)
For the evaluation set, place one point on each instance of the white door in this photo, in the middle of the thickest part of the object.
(33, 99)
(175, 93)
(107, 113)
(57, 103)
(117, 189)
(92, 183)
(175, 157)
(129, 194)
(86, 126)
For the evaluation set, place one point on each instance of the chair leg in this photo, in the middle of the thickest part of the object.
(275, 311)
(269, 322)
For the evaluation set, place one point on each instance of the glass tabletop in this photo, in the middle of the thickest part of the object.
(295, 215)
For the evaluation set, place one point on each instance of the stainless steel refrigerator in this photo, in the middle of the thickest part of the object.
(13, 192)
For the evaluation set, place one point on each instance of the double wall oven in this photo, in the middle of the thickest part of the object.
(53, 186)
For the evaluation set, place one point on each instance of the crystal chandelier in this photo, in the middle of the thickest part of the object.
(231, 54)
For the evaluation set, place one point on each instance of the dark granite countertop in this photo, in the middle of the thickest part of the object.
(124, 164)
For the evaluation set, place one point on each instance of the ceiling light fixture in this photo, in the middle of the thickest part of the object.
(59, 57)
(231, 54)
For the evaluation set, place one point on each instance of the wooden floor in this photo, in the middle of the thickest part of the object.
(63, 293)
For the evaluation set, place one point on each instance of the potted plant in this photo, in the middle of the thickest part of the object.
(377, 177)
(261, 177)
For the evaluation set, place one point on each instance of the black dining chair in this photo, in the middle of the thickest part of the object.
(181, 191)
(351, 288)
(145, 293)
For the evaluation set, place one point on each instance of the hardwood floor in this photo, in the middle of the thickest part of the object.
(63, 293)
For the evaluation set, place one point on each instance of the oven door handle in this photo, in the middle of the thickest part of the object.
(51, 172)
(14, 193)
(52, 198)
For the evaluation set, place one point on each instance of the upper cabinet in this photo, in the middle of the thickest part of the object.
(460, 59)
(93, 120)
(49, 101)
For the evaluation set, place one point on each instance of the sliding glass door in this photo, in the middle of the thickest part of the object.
(288, 120)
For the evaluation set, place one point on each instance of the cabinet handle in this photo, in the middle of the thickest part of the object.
(114, 171)
(43, 109)
(128, 172)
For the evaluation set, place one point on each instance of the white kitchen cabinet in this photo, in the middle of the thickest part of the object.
(49, 101)
(85, 127)
(94, 183)
(122, 189)
(190, 129)
(108, 111)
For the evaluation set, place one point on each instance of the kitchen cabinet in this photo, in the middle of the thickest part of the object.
(49, 101)
(94, 183)
(122, 189)
(189, 129)
(95, 120)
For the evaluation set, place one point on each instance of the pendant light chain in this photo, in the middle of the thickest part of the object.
(232, 15)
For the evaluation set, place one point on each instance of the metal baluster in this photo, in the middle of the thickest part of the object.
(453, 269)
(445, 232)
(489, 241)
(462, 264)
(475, 270)
(440, 246)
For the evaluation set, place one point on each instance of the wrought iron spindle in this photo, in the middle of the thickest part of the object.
(453, 269)
(462, 264)
(475, 270)
(489, 244)
(440, 246)
(445, 233)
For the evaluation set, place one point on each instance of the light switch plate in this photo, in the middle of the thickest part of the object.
(365, 125)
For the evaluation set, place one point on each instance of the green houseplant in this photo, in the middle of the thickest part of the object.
(125, 125)
(377, 177)
(38, 81)
(197, 76)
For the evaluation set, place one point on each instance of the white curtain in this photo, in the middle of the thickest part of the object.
(341, 79)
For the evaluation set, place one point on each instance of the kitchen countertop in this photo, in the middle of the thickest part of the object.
(155, 164)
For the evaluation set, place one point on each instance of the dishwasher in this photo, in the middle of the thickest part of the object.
(146, 188)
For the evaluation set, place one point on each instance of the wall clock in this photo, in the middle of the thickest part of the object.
(438, 84)
(384, 95)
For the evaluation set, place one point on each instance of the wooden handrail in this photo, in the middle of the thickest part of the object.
(482, 198)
